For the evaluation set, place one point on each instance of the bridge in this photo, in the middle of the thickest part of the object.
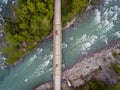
(57, 45)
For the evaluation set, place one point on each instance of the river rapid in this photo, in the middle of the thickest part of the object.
(101, 27)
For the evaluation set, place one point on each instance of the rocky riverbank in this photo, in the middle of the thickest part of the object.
(84, 69)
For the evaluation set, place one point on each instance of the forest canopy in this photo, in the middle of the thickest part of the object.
(32, 22)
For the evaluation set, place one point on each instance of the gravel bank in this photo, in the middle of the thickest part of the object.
(83, 70)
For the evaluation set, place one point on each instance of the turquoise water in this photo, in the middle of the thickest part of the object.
(101, 27)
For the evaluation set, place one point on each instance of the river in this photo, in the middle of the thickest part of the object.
(101, 27)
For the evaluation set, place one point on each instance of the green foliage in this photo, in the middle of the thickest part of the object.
(116, 68)
(97, 85)
(70, 8)
(116, 55)
(14, 54)
(33, 22)
(115, 87)
(94, 2)
(15, 58)
(93, 84)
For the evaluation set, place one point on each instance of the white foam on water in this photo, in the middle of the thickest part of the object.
(50, 56)
(1, 18)
(63, 65)
(26, 80)
(86, 38)
(109, 27)
(13, 2)
(106, 41)
(110, 12)
(5, 1)
(1, 34)
(105, 23)
(105, 14)
(39, 50)
(107, 2)
(39, 70)
(45, 57)
(81, 40)
(102, 37)
(97, 16)
(32, 59)
(109, 16)
(93, 39)
(46, 63)
(86, 41)
(2, 67)
(114, 18)
(0, 24)
(50, 69)
(86, 45)
(84, 52)
(71, 38)
(3, 58)
(64, 45)
(114, 12)
(117, 34)
(116, 8)
(36, 73)
(0, 9)
(99, 27)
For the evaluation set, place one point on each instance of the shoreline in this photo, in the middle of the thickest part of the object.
(81, 70)
(74, 22)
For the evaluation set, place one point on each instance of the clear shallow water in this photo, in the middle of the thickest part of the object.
(101, 26)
